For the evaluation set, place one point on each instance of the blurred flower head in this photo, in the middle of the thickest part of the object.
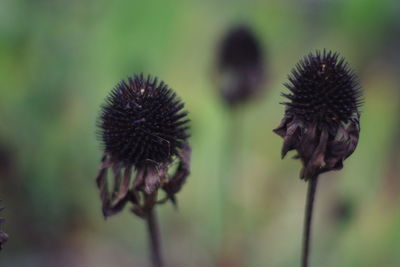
(321, 120)
(143, 128)
(240, 66)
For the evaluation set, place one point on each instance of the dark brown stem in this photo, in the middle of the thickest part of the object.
(312, 188)
(154, 235)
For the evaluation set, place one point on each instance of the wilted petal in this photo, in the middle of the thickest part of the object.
(291, 138)
(353, 131)
(139, 179)
(123, 187)
(307, 143)
(174, 185)
(101, 182)
(317, 160)
(116, 208)
(151, 181)
(343, 145)
(281, 129)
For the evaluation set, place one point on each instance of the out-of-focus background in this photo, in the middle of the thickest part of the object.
(242, 205)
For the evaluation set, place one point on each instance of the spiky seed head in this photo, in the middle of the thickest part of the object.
(143, 122)
(321, 119)
(240, 65)
(323, 89)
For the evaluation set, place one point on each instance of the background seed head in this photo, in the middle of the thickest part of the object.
(143, 122)
(240, 48)
(240, 65)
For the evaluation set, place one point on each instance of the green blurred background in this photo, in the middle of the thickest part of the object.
(242, 205)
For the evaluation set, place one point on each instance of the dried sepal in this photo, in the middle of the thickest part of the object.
(114, 202)
(175, 183)
(318, 150)
(143, 190)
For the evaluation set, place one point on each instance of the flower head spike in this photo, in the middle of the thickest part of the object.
(321, 119)
(240, 66)
(143, 128)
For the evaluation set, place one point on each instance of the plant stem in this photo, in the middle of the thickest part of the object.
(312, 188)
(229, 169)
(154, 235)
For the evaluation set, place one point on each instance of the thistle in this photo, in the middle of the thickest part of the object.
(240, 66)
(3, 236)
(143, 128)
(321, 121)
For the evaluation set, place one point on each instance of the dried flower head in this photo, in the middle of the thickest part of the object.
(321, 119)
(143, 122)
(143, 127)
(3, 236)
(240, 66)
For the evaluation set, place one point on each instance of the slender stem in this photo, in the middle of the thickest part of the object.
(154, 234)
(312, 188)
(227, 178)
(229, 169)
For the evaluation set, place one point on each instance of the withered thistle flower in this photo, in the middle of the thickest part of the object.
(3, 236)
(143, 128)
(240, 66)
(321, 120)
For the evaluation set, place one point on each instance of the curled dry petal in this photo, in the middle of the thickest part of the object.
(174, 185)
(114, 202)
(319, 150)
(142, 192)
(152, 181)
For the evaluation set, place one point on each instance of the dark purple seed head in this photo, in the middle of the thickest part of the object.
(324, 89)
(143, 122)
